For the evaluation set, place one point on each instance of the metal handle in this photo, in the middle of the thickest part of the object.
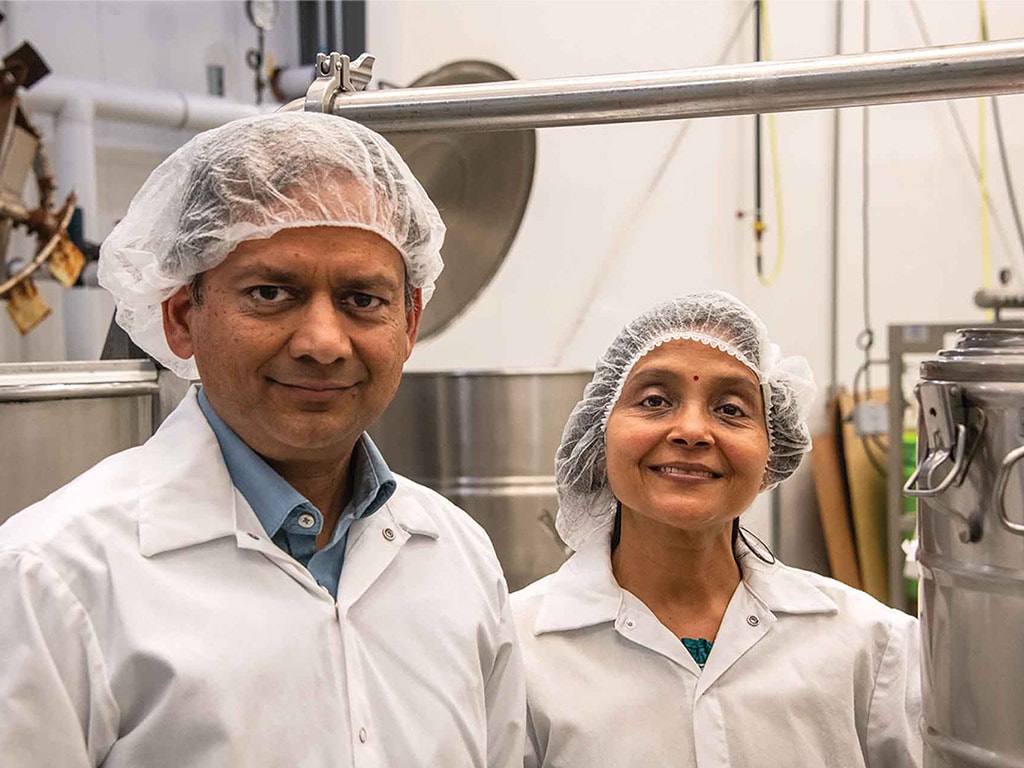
(959, 451)
(1000, 490)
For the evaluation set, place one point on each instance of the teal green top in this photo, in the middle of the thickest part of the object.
(700, 649)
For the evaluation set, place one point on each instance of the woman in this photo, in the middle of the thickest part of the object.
(670, 637)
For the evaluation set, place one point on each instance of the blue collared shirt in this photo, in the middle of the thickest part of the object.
(290, 520)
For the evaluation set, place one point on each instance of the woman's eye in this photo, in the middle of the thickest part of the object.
(363, 301)
(654, 401)
(269, 294)
(731, 409)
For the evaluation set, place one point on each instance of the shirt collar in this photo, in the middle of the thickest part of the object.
(272, 498)
(584, 591)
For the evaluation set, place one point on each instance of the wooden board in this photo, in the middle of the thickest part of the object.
(867, 502)
(833, 500)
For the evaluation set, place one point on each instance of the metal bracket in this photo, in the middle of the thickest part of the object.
(336, 74)
(945, 433)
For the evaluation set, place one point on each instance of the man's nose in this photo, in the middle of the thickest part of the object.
(322, 334)
(691, 426)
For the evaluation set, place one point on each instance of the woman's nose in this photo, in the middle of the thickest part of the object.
(322, 333)
(691, 426)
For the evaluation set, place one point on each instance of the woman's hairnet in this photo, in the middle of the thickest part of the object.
(719, 320)
(246, 181)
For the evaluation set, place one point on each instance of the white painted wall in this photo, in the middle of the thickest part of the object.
(925, 240)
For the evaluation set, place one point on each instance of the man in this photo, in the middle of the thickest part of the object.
(253, 586)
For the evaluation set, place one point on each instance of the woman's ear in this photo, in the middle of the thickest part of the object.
(176, 316)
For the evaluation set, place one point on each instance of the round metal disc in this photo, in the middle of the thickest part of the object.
(480, 183)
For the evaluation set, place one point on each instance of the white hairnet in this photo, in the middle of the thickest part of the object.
(719, 320)
(246, 181)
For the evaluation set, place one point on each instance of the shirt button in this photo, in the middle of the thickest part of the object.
(363, 736)
(753, 620)
(306, 520)
(389, 534)
(630, 623)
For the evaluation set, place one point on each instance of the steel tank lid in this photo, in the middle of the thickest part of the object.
(987, 353)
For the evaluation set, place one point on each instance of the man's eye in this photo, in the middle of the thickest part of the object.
(362, 301)
(269, 294)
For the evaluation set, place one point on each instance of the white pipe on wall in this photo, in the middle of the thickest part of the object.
(165, 109)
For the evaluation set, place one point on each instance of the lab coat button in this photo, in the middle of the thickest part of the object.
(363, 735)
(753, 620)
(389, 534)
(630, 623)
(306, 520)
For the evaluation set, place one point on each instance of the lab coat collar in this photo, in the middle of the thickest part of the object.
(584, 591)
(780, 589)
(185, 491)
(187, 497)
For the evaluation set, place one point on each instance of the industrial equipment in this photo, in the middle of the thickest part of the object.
(21, 151)
(970, 489)
(487, 441)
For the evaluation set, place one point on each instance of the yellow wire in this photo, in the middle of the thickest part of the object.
(773, 148)
(986, 240)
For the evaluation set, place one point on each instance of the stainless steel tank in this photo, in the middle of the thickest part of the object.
(58, 419)
(970, 487)
(487, 441)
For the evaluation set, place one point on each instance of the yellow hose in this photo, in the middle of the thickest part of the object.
(986, 239)
(773, 148)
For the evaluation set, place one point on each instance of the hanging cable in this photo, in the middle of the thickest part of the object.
(866, 338)
(965, 142)
(630, 221)
(764, 36)
(986, 240)
(1001, 141)
(758, 213)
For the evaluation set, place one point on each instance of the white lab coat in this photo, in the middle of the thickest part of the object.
(147, 620)
(804, 672)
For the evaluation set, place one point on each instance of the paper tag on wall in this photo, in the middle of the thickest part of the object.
(25, 306)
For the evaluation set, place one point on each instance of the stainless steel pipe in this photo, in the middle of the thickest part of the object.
(942, 72)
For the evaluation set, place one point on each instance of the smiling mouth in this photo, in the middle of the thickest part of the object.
(315, 386)
(691, 472)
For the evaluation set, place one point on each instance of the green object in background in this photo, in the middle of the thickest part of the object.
(909, 504)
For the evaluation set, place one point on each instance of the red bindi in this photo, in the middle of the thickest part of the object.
(696, 378)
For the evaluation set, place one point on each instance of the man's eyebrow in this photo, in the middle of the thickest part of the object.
(276, 274)
(268, 273)
(369, 282)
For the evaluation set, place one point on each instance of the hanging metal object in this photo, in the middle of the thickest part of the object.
(21, 151)
(480, 182)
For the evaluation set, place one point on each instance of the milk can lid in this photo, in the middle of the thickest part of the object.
(992, 353)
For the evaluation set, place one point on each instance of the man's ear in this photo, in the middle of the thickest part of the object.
(412, 319)
(177, 317)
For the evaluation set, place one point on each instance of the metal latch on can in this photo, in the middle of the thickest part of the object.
(945, 435)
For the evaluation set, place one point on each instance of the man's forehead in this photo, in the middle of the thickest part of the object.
(344, 250)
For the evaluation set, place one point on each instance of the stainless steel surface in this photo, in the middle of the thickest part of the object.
(336, 74)
(890, 77)
(972, 565)
(487, 441)
(59, 419)
(481, 182)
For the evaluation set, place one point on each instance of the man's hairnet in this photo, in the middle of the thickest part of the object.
(248, 180)
(719, 320)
